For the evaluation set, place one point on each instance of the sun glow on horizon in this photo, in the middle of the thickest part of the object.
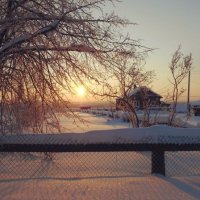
(81, 91)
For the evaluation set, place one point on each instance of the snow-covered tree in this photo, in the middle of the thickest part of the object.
(45, 47)
(179, 67)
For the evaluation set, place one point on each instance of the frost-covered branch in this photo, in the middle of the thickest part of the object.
(179, 68)
(46, 47)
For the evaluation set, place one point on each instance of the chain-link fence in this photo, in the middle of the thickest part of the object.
(54, 169)
(19, 161)
(74, 165)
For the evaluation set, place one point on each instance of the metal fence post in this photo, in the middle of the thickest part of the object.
(158, 162)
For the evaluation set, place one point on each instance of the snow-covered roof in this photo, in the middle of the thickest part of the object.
(142, 89)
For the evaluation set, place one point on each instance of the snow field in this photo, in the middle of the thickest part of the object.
(137, 188)
(156, 117)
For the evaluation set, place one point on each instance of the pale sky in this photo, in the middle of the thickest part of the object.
(164, 24)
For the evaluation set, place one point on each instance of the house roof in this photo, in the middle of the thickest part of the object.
(137, 90)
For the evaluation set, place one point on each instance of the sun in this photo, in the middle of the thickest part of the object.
(81, 91)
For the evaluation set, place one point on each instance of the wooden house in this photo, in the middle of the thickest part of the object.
(139, 98)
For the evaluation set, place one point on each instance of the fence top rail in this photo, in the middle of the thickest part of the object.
(97, 147)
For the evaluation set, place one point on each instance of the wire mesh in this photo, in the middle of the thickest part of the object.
(74, 165)
(96, 175)
(182, 163)
(68, 165)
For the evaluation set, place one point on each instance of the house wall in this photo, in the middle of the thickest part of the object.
(140, 101)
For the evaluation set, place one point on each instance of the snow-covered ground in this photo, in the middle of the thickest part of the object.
(153, 134)
(102, 129)
(155, 117)
(115, 176)
(90, 122)
(138, 188)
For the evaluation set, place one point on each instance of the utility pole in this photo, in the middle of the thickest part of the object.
(188, 97)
